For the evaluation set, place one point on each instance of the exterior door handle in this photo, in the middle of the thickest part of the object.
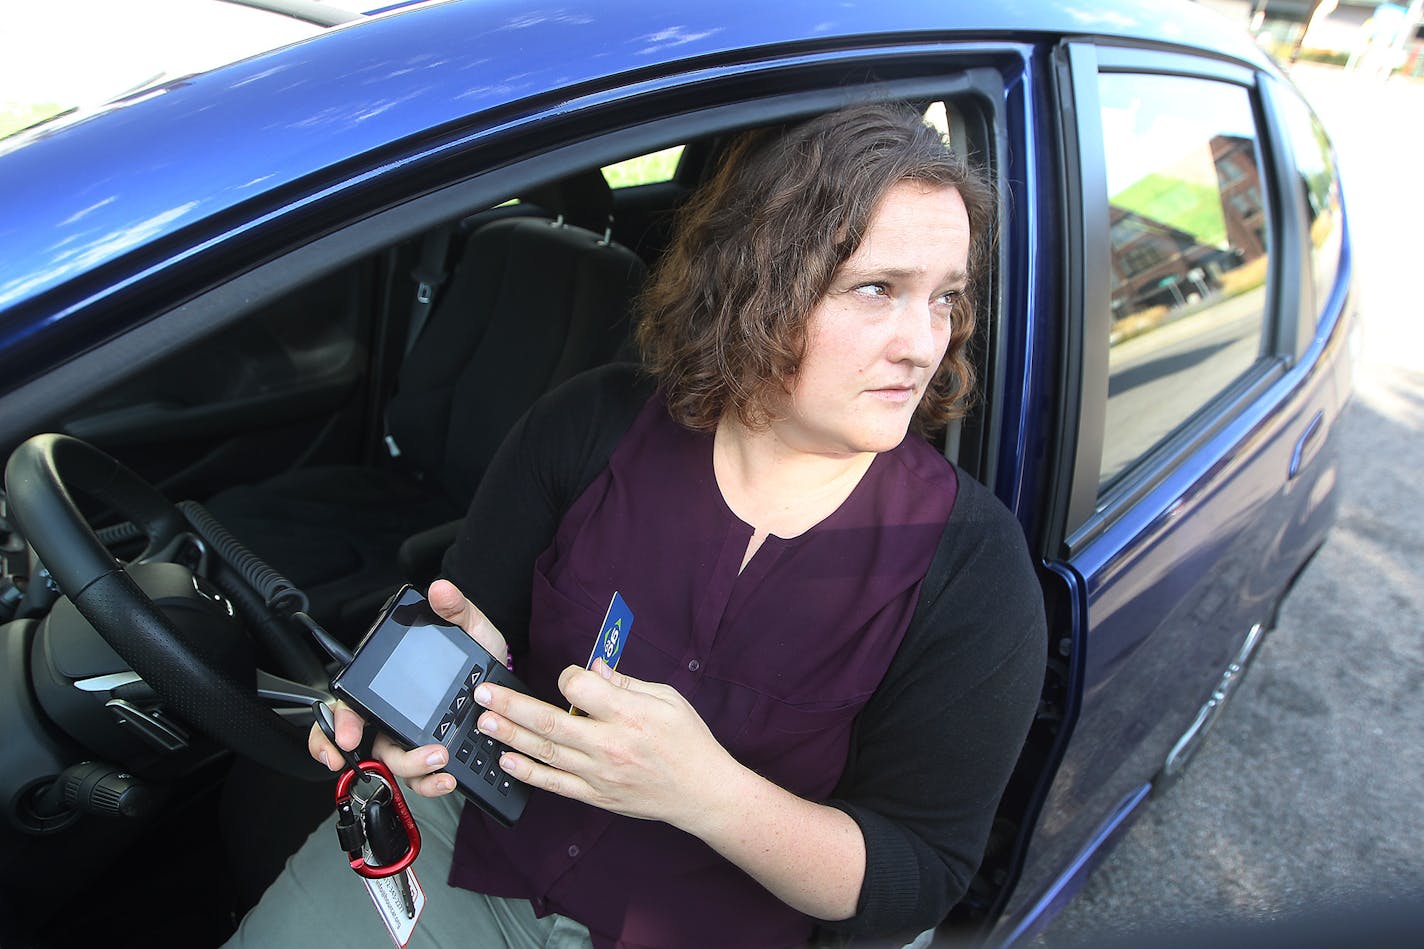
(1308, 444)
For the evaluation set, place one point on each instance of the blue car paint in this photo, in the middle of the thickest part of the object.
(299, 119)
(1023, 472)
(1062, 890)
(176, 172)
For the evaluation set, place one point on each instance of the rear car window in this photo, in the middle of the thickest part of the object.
(1189, 255)
(644, 169)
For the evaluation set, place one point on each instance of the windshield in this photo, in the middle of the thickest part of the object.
(65, 56)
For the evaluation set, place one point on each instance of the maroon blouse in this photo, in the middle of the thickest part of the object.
(777, 660)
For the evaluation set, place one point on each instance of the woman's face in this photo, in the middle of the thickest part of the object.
(875, 339)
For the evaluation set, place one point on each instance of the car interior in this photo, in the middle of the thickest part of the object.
(335, 427)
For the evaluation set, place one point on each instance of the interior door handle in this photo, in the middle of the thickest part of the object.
(1308, 444)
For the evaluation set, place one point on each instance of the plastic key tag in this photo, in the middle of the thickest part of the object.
(398, 904)
(380, 838)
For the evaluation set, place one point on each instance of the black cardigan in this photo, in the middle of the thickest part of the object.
(933, 748)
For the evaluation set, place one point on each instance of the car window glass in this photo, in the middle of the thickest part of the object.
(1316, 178)
(246, 400)
(1189, 251)
(644, 169)
(950, 122)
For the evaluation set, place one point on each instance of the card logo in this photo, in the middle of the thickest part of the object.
(617, 624)
(612, 637)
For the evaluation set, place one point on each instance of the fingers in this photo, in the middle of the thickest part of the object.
(447, 600)
(622, 757)
(536, 729)
(349, 728)
(548, 745)
(416, 766)
(539, 775)
(324, 751)
(432, 785)
(415, 763)
(602, 692)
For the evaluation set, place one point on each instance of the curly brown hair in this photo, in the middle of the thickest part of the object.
(723, 319)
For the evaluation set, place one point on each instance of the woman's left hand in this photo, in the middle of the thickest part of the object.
(640, 750)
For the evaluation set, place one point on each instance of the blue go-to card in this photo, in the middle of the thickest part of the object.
(612, 636)
(617, 624)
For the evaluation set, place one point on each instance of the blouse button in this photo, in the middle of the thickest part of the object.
(573, 850)
(693, 665)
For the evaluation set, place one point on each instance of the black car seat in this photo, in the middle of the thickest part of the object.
(529, 303)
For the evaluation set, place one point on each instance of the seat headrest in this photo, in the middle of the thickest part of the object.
(584, 199)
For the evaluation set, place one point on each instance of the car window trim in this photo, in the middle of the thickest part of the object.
(1157, 62)
(36, 404)
(1083, 366)
(1087, 513)
(1299, 308)
(1167, 458)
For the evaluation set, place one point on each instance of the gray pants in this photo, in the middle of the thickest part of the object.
(317, 901)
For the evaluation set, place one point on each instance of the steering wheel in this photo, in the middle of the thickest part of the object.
(200, 683)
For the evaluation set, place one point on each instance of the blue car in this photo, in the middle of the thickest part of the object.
(301, 296)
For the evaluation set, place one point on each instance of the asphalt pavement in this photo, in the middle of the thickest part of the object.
(1301, 820)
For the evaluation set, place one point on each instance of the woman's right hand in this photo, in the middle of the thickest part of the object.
(419, 767)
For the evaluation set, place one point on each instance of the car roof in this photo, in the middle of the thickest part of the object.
(91, 190)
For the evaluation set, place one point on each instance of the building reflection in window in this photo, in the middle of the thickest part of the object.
(1189, 237)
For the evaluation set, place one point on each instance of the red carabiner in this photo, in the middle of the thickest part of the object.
(357, 858)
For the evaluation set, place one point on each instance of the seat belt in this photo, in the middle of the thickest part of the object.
(429, 275)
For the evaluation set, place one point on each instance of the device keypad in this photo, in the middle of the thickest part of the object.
(479, 752)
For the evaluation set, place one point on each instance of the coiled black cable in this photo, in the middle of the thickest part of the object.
(274, 607)
(116, 534)
(280, 593)
(247, 580)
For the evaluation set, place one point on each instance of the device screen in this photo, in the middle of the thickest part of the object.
(424, 666)
(410, 681)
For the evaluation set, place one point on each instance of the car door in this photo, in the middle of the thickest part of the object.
(1198, 469)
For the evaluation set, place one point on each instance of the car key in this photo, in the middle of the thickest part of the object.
(361, 786)
(388, 841)
(379, 789)
(381, 841)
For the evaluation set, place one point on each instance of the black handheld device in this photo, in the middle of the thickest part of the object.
(413, 676)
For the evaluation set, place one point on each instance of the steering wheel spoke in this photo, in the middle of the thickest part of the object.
(278, 691)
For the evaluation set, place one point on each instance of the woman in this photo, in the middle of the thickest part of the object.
(839, 640)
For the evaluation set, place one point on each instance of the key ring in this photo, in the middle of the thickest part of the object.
(349, 826)
(343, 800)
